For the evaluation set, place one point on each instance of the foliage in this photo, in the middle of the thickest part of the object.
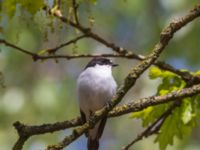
(182, 120)
(43, 92)
(9, 6)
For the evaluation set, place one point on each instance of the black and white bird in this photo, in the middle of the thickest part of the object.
(96, 86)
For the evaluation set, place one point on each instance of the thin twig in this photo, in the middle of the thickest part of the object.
(166, 35)
(75, 10)
(121, 50)
(16, 47)
(58, 3)
(189, 78)
(154, 127)
(73, 41)
(88, 31)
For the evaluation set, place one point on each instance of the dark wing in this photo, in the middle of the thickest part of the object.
(83, 119)
(101, 127)
(93, 144)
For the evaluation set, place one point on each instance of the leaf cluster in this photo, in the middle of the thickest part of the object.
(183, 118)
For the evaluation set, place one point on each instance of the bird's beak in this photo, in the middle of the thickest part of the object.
(115, 65)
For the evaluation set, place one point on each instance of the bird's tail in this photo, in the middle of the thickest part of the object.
(93, 144)
(95, 134)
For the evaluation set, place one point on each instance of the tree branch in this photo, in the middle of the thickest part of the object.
(26, 131)
(88, 32)
(130, 80)
(17, 48)
(189, 78)
(154, 127)
(53, 50)
(186, 75)
(75, 8)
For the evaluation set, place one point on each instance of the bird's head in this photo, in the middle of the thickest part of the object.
(101, 61)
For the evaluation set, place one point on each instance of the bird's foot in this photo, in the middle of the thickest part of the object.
(91, 119)
(109, 104)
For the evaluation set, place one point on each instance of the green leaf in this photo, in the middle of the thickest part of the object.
(155, 72)
(41, 52)
(167, 132)
(9, 6)
(187, 113)
(150, 114)
(170, 84)
(32, 6)
(174, 125)
(93, 2)
(196, 105)
(197, 72)
(182, 120)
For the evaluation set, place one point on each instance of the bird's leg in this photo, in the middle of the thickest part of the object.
(91, 119)
(109, 104)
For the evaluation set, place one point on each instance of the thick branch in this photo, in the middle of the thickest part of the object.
(130, 80)
(26, 131)
(166, 35)
(186, 75)
(154, 100)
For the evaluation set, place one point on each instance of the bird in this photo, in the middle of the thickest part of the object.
(95, 86)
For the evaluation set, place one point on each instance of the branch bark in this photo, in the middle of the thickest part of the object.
(26, 131)
(120, 50)
(154, 127)
(130, 80)
(189, 78)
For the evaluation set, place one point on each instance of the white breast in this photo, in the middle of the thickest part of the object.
(96, 87)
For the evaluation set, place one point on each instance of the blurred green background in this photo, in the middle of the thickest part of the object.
(45, 91)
